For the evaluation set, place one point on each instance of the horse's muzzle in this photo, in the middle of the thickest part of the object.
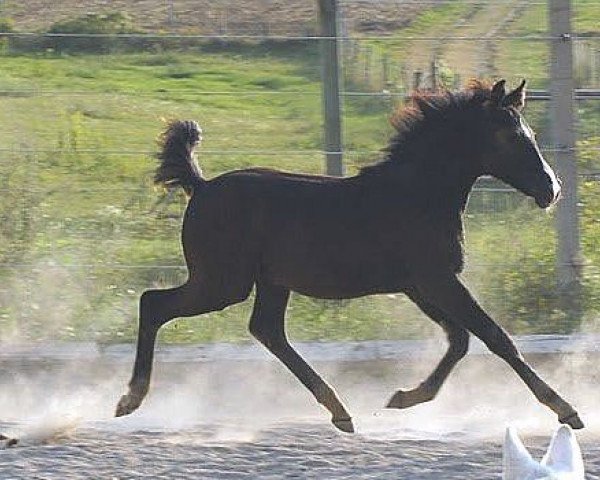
(549, 193)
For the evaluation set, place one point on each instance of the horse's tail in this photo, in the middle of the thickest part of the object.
(178, 166)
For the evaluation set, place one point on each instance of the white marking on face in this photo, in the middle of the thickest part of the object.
(547, 168)
(555, 184)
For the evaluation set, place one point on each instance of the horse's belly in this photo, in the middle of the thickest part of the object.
(334, 292)
(331, 275)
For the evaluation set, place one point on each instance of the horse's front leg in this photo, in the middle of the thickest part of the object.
(446, 292)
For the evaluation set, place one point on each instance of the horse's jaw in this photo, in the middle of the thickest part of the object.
(562, 461)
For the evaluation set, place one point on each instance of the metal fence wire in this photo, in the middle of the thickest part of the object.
(85, 86)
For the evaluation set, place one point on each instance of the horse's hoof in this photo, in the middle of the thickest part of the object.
(128, 404)
(405, 399)
(343, 424)
(573, 421)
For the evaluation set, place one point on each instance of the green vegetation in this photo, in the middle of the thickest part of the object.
(6, 25)
(586, 15)
(83, 232)
(77, 146)
(111, 23)
(97, 25)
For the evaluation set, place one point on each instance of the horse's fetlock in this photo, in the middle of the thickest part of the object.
(426, 392)
(138, 389)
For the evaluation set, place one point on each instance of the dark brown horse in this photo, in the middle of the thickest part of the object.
(394, 227)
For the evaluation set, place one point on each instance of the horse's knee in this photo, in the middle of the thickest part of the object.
(499, 343)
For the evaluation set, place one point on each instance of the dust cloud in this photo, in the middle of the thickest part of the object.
(234, 401)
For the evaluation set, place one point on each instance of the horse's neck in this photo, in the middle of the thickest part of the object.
(445, 182)
(435, 167)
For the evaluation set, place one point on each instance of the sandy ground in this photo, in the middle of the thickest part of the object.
(291, 451)
(251, 419)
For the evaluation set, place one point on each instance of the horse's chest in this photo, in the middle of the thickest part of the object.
(426, 245)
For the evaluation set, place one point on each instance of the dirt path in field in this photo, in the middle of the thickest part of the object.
(463, 44)
(245, 17)
(476, 58)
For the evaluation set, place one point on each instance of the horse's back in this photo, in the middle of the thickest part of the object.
(251, 206)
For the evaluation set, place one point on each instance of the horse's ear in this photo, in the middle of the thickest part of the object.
(516, 98)
(498, 93)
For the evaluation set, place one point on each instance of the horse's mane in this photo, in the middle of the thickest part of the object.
(432, 110)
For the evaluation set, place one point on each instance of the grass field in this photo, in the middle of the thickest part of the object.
(81, 131)
(83, 231)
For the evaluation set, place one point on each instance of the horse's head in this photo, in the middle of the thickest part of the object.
(512, 153)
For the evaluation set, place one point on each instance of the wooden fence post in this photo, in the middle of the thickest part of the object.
(417, 79)
(562, 89)
(328, 19)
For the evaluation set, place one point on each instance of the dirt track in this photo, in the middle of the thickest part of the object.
(250, 419)
(292, 451)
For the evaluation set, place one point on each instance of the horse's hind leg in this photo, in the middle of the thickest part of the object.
(267, 326)
(158, 307)
(458, 339)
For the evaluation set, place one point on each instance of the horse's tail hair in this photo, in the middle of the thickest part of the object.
(178, 166)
